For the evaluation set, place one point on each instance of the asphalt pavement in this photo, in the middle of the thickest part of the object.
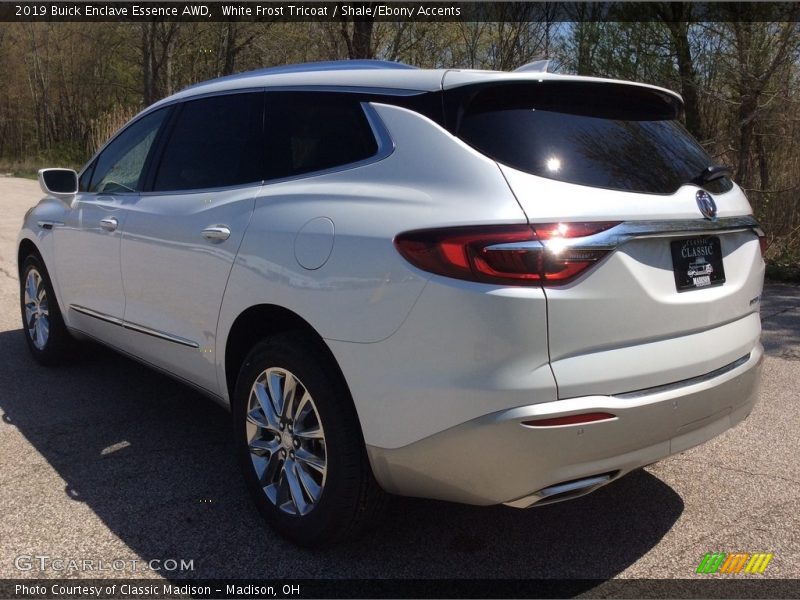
(107, 460)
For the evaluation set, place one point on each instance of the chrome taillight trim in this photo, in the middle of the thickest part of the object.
(629, 230)
(613, 237)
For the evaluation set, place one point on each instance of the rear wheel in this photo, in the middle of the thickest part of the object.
(300, 446)
(42, 323)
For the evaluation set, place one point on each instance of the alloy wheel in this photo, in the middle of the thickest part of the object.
(286, 441)
(37, 310)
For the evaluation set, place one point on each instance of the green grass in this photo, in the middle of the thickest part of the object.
(18, 169)
(28, 167)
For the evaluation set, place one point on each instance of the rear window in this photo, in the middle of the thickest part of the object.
(600, 135)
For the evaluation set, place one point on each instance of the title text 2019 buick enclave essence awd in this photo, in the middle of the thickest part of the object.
(475, 286)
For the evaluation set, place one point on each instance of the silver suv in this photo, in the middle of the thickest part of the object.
(466, 285)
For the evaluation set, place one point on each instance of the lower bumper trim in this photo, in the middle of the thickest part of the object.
(540, 465)
(686, 382)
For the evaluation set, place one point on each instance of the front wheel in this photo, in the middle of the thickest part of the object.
(299, 444)
(42, 323)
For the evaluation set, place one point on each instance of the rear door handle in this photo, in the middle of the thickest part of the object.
(109, 223)
(217, 233)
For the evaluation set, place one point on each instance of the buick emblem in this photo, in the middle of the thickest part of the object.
(706, 204)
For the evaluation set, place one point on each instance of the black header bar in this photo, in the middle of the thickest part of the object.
(708, 587)
(266, 11)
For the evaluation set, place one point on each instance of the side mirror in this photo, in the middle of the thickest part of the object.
(58, 182)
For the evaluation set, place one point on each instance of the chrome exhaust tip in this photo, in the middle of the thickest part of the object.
(566, 490)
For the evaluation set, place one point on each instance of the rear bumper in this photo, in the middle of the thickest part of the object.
(495, 459)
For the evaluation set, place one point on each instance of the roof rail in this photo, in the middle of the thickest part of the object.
(334, 65)
(330, 65)
(537, 66)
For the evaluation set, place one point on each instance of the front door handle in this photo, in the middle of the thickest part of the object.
(217, 233)
(109, 223)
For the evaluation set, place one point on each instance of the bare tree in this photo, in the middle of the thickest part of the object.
(357, 33)
(158, 49)
(677, 17)
(761, 49)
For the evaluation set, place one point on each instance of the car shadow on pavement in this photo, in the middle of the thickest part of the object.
(154, 461)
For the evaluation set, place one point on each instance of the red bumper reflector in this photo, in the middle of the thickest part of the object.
(570, 419)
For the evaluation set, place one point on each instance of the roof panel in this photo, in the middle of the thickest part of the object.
(377, 75)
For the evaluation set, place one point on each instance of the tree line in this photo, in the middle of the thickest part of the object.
(66, 87)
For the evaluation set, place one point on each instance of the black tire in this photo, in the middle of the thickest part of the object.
(350, 500)
(57, 345)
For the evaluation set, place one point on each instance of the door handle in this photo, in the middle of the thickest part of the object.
(217, 233)
(109, 223)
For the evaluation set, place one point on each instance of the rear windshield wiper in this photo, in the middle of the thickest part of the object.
(711, 173)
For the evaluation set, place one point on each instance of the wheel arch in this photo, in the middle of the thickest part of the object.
(262, 321)
(27, 247)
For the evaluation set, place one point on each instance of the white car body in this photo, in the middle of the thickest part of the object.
(443, 372)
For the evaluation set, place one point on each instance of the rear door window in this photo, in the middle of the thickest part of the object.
(609, 136)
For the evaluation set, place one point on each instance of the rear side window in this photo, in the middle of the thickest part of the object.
(608, 136)
(215, 142)
(308, 132)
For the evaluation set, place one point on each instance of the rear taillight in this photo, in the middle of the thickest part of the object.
(762, 241)
(540, 254)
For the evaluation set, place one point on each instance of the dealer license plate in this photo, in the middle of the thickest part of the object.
(697, 263)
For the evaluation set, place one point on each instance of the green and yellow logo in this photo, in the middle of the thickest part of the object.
(737, 562)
